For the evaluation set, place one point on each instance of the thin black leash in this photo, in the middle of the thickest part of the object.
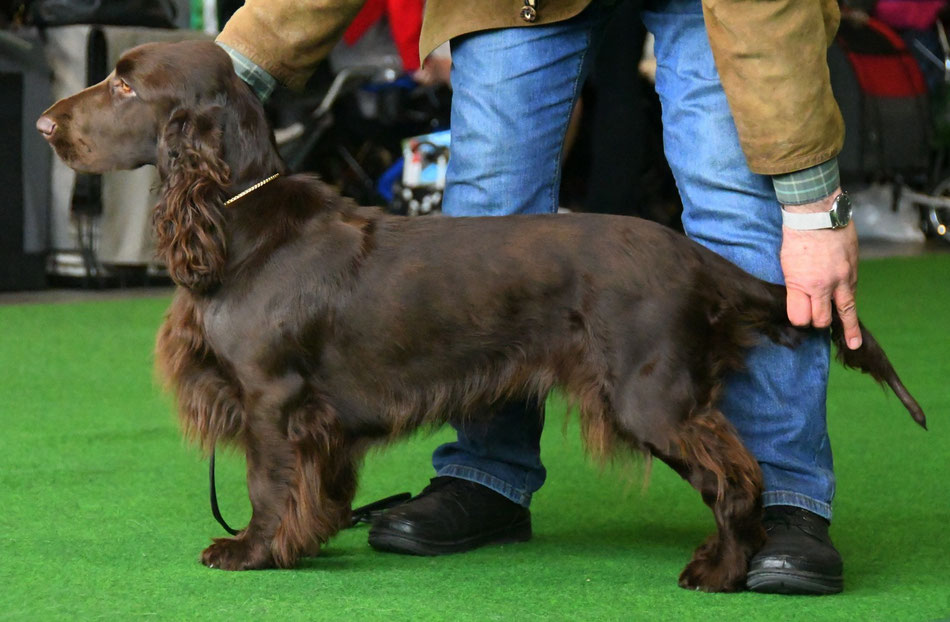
(214, 499)
(363, 514)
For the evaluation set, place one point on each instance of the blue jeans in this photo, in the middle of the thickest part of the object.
(513, 93)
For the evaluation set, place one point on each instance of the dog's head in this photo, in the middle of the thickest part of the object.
(118, 123)
(182, 107)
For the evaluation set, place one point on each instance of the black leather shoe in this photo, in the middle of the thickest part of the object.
(798, 556)
(450, 515)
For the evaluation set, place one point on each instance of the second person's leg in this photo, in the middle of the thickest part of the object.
(513, 92)
(777, 404)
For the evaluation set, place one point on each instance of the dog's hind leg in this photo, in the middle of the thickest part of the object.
(708, 454)
(700, 445)
(301, 481)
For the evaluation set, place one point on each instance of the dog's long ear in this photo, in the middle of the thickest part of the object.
(188, 219)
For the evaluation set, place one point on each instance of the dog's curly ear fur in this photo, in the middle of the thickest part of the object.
(188, 219)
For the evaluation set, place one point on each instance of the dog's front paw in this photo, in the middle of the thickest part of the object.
(237, 554)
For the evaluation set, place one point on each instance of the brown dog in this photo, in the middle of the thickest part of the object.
(306, 328)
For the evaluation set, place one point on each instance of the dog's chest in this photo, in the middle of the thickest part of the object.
(239, 329)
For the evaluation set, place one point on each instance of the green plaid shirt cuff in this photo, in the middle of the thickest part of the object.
(808, 185)
(261, 82)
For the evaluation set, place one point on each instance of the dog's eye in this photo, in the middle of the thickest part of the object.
(123, 88)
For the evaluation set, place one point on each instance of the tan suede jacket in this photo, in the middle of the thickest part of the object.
(771, 56)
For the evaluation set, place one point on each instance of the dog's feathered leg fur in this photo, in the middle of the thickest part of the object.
(210, 406)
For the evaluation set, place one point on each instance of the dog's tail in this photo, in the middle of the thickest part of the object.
(764, 307)
(870, 359)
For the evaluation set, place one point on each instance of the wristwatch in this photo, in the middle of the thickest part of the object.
(837, 217)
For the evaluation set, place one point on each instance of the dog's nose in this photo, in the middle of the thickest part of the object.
(46, 126)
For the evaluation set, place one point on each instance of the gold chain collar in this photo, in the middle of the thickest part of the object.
(252, 189)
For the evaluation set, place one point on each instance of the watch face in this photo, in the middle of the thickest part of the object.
(841, 211)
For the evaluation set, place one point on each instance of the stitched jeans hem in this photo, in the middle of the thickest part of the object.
(787, 497)
(488, 480)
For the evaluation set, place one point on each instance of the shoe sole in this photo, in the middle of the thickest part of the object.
(787, 582)
(391, 541)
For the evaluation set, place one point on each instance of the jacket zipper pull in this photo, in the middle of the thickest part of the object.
(529, 12)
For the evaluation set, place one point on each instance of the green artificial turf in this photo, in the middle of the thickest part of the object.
(103, 509)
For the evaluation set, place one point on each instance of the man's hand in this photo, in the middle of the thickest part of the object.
(821, 266)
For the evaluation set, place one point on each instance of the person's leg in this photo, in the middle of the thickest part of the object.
(778, 404)
(513, 91)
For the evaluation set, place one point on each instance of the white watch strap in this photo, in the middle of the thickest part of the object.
(806, 222)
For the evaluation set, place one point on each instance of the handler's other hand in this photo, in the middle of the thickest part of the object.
(821, 267)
